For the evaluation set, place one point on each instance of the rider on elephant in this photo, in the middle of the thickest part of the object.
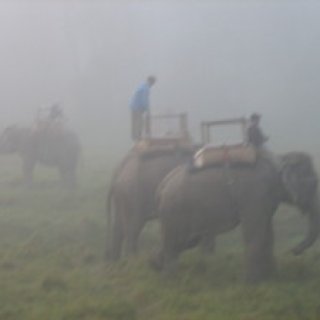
(257, 139)
(255, 135)
(52, 120)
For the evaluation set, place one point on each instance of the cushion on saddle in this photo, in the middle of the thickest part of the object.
(219, 155)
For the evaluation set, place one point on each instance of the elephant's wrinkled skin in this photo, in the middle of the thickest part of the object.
(132, 193)
(59, 149)
(195, 206)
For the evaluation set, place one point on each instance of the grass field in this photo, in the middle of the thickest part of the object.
(52, 264)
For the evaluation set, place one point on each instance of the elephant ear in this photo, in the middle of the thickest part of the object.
(298, 177)
(290, 181)
(9, 131)
(9, 139)
(6, 133)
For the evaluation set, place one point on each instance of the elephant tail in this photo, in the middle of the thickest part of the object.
(109, 207)
(110, 210)
(109, 220)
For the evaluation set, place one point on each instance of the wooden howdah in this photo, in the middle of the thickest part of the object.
(167, 141)
(152, 145)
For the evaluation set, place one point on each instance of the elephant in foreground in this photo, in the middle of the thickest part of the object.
(57, 148)
(195, 206)
(132, 193)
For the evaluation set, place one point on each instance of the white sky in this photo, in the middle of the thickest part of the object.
(214, 59)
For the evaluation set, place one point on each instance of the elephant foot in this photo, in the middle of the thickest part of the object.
(109, 257)
(156, 262)
(112, 254)
(258, 276)
(169, 268)
(207, 247)
(131, 251)
(255, 280)
(27, 183)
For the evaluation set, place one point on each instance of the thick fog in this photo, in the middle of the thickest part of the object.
(213, 59)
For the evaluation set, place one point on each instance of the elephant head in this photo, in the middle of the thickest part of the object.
(10, 140)
(300, 181)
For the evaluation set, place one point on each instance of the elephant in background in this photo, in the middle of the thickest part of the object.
(195, 206)
(60, 149)
(132, 193)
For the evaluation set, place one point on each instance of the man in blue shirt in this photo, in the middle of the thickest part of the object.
(140, 107)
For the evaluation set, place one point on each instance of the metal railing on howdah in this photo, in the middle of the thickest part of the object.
(180, 130)
(207, 126)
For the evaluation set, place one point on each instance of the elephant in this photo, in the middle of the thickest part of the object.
(196, 205)
(132, 191)
(58, 148)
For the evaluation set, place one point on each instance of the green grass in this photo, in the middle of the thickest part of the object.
(52, 264)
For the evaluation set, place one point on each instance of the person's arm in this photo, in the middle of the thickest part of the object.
(261, 137)
(256, 137)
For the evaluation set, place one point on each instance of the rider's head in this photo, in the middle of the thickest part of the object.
(151, 80)
(255, 118)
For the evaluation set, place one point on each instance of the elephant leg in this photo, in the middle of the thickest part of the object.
(207, 244)
(133, 232)
(28, 168)
(165, 260)
(258, 238)
(173, 243)
(115, 247)
(68, 177)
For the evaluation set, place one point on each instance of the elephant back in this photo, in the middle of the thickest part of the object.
(53, 146)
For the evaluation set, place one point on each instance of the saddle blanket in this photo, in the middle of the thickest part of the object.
(219, 155)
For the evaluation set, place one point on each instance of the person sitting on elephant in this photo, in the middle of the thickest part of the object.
(50, 119)
(255, 135)
(55, 113)
(56, 118)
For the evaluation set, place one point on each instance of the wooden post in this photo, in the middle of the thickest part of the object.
(244, 130)
(205, 132)
(202, 133)
(184, 125)
(147, 125)
(209, 133)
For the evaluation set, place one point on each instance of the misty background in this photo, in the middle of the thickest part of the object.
(213, 59)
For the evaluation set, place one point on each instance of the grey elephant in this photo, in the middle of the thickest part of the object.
(196, 205)
(132, 193)
(60, 149)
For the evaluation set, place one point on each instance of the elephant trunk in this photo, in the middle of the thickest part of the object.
(2, 144)
(313, 231)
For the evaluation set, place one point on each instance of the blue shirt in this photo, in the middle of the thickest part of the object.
(140, 99)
